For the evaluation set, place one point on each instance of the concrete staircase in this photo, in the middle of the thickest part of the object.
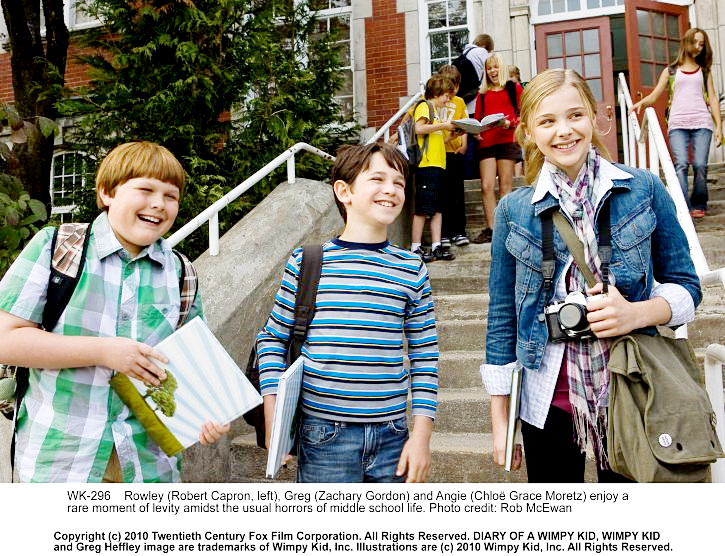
(461, 442)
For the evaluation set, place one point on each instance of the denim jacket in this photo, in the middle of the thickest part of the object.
(643, 224)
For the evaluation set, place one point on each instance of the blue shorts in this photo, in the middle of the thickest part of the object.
(428, 183)
(341, 452)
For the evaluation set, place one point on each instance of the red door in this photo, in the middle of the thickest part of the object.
(653, 30)
(585, 46)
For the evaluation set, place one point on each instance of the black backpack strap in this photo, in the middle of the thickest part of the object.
(307, 283)
(68, 256)
(511, 90)
(188, 286)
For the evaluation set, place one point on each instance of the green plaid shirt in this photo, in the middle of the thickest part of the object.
(71, 418)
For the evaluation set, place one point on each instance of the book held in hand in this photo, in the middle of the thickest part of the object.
(472, 125)
(203, 384)
(282, 437)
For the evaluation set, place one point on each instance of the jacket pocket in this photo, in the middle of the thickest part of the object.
(527, 253)
(632, 239)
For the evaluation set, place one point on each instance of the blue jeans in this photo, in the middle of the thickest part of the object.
(340, 452)
(680, 141)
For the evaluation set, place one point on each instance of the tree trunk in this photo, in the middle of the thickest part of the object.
(38, 76)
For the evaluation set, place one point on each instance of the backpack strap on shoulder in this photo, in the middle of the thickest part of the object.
(188, 286)
(307, 283)
(510, 87)
(68, 256)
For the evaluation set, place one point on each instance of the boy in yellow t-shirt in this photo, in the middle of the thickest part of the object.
(429, 175)
(454, 203)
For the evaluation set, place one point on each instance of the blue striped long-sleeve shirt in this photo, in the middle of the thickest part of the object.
(371, 298)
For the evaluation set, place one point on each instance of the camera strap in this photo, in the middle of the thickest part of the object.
(575, 245)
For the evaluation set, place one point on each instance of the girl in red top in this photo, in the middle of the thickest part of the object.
(498, 151)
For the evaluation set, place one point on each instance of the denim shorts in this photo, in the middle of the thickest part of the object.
(342, 452)
(428, 183)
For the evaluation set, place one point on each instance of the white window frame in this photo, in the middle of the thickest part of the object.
(425, 34)
(333, 12)
(71, 11)
(70, 208)
(583, 13)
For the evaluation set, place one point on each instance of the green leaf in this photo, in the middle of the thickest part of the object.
(38, 209)
(47, 126)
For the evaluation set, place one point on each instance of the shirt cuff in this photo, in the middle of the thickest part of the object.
(497, 378)
(679, 300)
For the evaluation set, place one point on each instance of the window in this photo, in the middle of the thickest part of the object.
(75, 17)
(447, 31)
(556, 10)
(69, 179)
(336, 16)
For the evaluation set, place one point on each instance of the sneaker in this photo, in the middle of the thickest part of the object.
(446, 242)
(697, 213)
(484, 237)
(441, 253)
(426, 256)
(460, 240)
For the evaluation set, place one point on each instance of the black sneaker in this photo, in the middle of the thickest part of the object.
(484, 237)
(445, 242)
(427, 256)
(460, 240)
(441, 253)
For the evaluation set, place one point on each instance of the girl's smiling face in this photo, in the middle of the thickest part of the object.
(492, 72)
(562, 129)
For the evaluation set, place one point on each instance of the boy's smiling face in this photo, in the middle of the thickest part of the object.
(372, 202)
(141, 211)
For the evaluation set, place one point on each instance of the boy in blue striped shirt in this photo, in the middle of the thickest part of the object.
(372, 297)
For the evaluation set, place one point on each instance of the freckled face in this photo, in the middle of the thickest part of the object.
(141, 211)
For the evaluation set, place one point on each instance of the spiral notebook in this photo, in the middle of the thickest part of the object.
(211, 386)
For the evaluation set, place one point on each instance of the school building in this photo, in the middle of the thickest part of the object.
(392, 46)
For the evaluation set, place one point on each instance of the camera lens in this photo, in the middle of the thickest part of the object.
(573, 316)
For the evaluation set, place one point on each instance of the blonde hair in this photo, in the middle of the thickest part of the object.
(503, 72)
(540, 87)
(138, 159)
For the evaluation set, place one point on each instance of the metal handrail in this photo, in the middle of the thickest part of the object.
(211, 214)
(384, 131)
(714, 361)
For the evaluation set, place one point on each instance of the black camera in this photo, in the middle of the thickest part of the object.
(568, 320)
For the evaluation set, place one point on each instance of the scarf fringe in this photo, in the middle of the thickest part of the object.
(592, 434)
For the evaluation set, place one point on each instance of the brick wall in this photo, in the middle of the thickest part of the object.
(385, 61)
(75, 74)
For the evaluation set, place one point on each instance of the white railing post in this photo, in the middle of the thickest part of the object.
(214, 234)
(210, 214)
(714, 361)
(625, 125)
(291, 178)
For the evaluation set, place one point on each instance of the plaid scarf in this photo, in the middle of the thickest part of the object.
(585, 361)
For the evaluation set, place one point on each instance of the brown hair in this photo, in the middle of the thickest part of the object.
(138, 159)
(437, 85)
(353, 159)
(541, 86)
(704, 58)
(484, 41)
(451, 73)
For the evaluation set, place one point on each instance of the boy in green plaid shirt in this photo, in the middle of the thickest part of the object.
(71, 426)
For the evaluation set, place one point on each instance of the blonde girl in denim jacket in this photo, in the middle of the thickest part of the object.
(565, 384)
